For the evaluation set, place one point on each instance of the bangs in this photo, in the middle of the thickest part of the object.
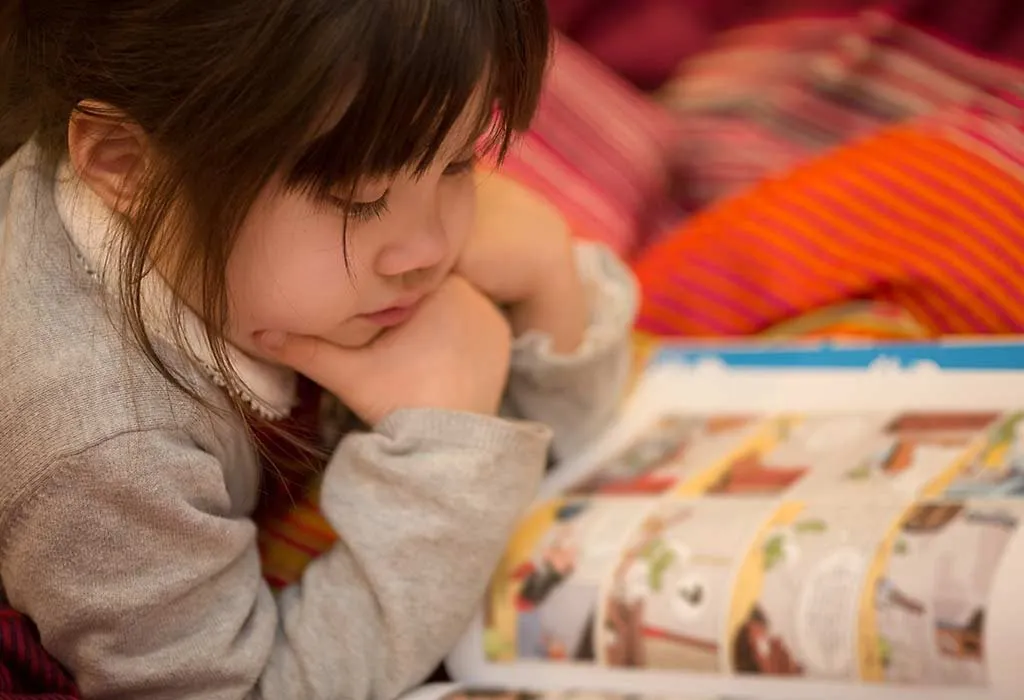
(422, 63)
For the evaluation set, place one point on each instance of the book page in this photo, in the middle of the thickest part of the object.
(754, 553)
(457, 692)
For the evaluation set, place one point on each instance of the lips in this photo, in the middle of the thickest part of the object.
(393, 315)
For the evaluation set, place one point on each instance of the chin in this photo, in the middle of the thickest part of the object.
(354, 338)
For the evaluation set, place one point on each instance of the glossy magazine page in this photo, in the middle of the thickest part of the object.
(785, 522)
(458, 692)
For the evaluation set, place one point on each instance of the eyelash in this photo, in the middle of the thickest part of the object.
(367, 211)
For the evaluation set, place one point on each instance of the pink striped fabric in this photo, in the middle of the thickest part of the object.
(26, 669)
(598, 150)
(995, 128)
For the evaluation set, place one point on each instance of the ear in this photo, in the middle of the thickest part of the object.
(108, 152)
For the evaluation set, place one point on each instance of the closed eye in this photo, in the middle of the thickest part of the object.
(361, 212)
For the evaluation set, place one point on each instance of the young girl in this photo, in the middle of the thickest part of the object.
(205, 200)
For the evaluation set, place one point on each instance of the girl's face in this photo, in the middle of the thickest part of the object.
(289, 271)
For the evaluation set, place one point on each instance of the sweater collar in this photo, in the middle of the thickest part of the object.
(268, 390)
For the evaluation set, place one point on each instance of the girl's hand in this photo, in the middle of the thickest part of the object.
(521, 256)
(452, 354)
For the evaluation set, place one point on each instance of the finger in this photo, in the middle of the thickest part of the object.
(326, 364)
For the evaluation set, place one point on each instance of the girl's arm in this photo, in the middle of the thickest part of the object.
(578, 393)
(144, 580)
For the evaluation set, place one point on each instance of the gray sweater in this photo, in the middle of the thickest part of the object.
(125, 528)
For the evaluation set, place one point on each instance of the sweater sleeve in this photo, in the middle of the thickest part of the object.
(577, 395)
(145, 584)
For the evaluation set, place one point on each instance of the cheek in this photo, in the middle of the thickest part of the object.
(458, 211)
(288, 270)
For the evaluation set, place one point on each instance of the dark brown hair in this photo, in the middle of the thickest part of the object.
(232, 92)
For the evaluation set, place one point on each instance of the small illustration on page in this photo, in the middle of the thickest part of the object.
(798, 592)
(998, 470)
(666, 603)
(769, 466)
(915, 450)
(925, 610)
(544, 597)
(499, 694)
(667, 453)
(506, 694)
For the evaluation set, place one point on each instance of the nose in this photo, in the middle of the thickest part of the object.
(414, 251)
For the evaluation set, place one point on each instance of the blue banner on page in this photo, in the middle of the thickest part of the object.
(989, 356)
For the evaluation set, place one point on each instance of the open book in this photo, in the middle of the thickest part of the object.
(778, 523)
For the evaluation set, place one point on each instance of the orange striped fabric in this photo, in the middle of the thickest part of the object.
(928, 217)
(293, 536)
(291, 532)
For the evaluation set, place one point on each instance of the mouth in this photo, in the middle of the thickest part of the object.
(392, 315)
